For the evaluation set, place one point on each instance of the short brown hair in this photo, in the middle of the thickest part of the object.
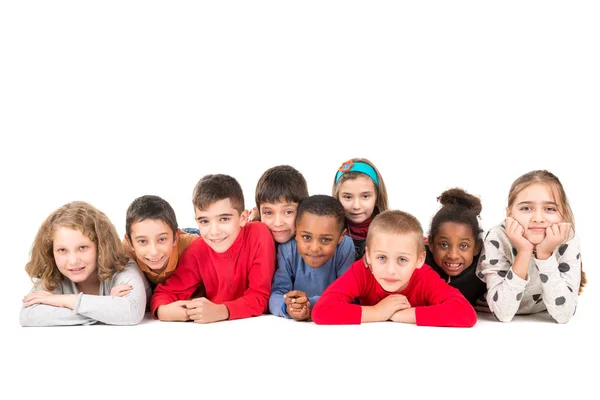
(212, 188)
(397, 222)
(281, 182)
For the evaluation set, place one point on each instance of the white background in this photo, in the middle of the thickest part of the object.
(108, 101)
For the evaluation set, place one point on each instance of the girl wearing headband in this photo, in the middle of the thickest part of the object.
(358, 185)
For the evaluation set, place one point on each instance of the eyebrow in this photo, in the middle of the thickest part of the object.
(218, 216)
(533, 202)
(447, 237)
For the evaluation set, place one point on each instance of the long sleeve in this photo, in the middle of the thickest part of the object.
(334, 305)
(560, 275)
(45, 315)
(182, 283)
(89, 309)
(445, 305)
(504, 287)
(115, 310)
(255, 300)
(283, 280)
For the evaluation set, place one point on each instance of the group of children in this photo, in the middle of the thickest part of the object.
(340, 259)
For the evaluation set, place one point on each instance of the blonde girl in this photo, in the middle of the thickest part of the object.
(531, 262)
(80, 273)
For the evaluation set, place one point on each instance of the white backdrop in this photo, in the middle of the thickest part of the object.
(108, 101)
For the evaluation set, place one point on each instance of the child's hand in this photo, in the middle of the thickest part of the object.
(121, 290)
(253, 215)
(175, 311)
(406, 316)
(388, 306)
(202, 311)
(555, 235)
(297, 305)
(515, 232)
(50, 299)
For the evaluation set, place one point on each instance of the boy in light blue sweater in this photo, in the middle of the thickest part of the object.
(318, 255)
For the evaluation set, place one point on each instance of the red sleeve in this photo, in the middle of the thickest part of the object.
(182, 283)
(260, 274)
(446, 306)
(333, 307)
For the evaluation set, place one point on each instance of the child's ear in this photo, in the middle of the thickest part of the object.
(367, 259)
(128, 241)
(341, 239)
(244, 218)
(421, 259)
(177, 233)
(507, 211)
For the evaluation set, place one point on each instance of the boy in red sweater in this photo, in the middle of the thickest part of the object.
(233, 258)
(392, 283)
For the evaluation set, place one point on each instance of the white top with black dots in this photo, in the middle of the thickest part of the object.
(552, 284)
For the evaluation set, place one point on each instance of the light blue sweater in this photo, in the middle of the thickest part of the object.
(294, 274)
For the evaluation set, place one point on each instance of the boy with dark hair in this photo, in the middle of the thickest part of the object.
(152, 235)
(318, 255)
(234, 259)
(392, 283)
(278, 192)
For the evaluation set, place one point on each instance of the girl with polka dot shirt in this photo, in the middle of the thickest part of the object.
(531, 262)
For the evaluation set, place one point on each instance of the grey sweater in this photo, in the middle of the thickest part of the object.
(89, 309)
(551, 284)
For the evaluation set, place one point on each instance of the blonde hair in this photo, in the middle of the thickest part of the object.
(381, 204)
(92, 223)
(397, 222)
(558, 194)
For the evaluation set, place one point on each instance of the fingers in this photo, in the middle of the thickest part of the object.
(295, 293)
(121, 290)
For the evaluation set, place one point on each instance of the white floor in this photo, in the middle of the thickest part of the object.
(270, 357)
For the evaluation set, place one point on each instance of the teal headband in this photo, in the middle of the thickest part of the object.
(351, 166)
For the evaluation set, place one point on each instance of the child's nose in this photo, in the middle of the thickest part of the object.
(356, 203)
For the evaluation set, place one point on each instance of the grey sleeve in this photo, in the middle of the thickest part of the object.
(45, 315)
(560, 275)
(504, 288)
(113, 310)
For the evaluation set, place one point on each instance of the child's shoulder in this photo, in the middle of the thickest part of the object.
(257, 229)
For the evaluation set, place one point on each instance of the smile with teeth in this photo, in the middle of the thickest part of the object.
(217, 240)
(453, 265)
(154, 260)
(76, 269)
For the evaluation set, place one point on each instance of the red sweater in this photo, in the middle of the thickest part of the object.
(436, 303)
(239, 278)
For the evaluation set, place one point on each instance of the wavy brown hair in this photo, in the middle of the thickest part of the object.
(92, 223)
(560, 198)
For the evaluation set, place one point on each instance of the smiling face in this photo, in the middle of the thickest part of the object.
(535, 209)
(393, 257)
(153, 242)
(220, 224)
(280, 218)
(317, 237)
(75, 255)
(358, 196)
(454, 247)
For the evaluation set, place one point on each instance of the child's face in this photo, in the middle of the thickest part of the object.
(358, 196)
(75, 255)
(454, 247)
(153, 242)
(317, 237)
(393, 258)
(220, 224)
(280, 218)
(534, 208)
